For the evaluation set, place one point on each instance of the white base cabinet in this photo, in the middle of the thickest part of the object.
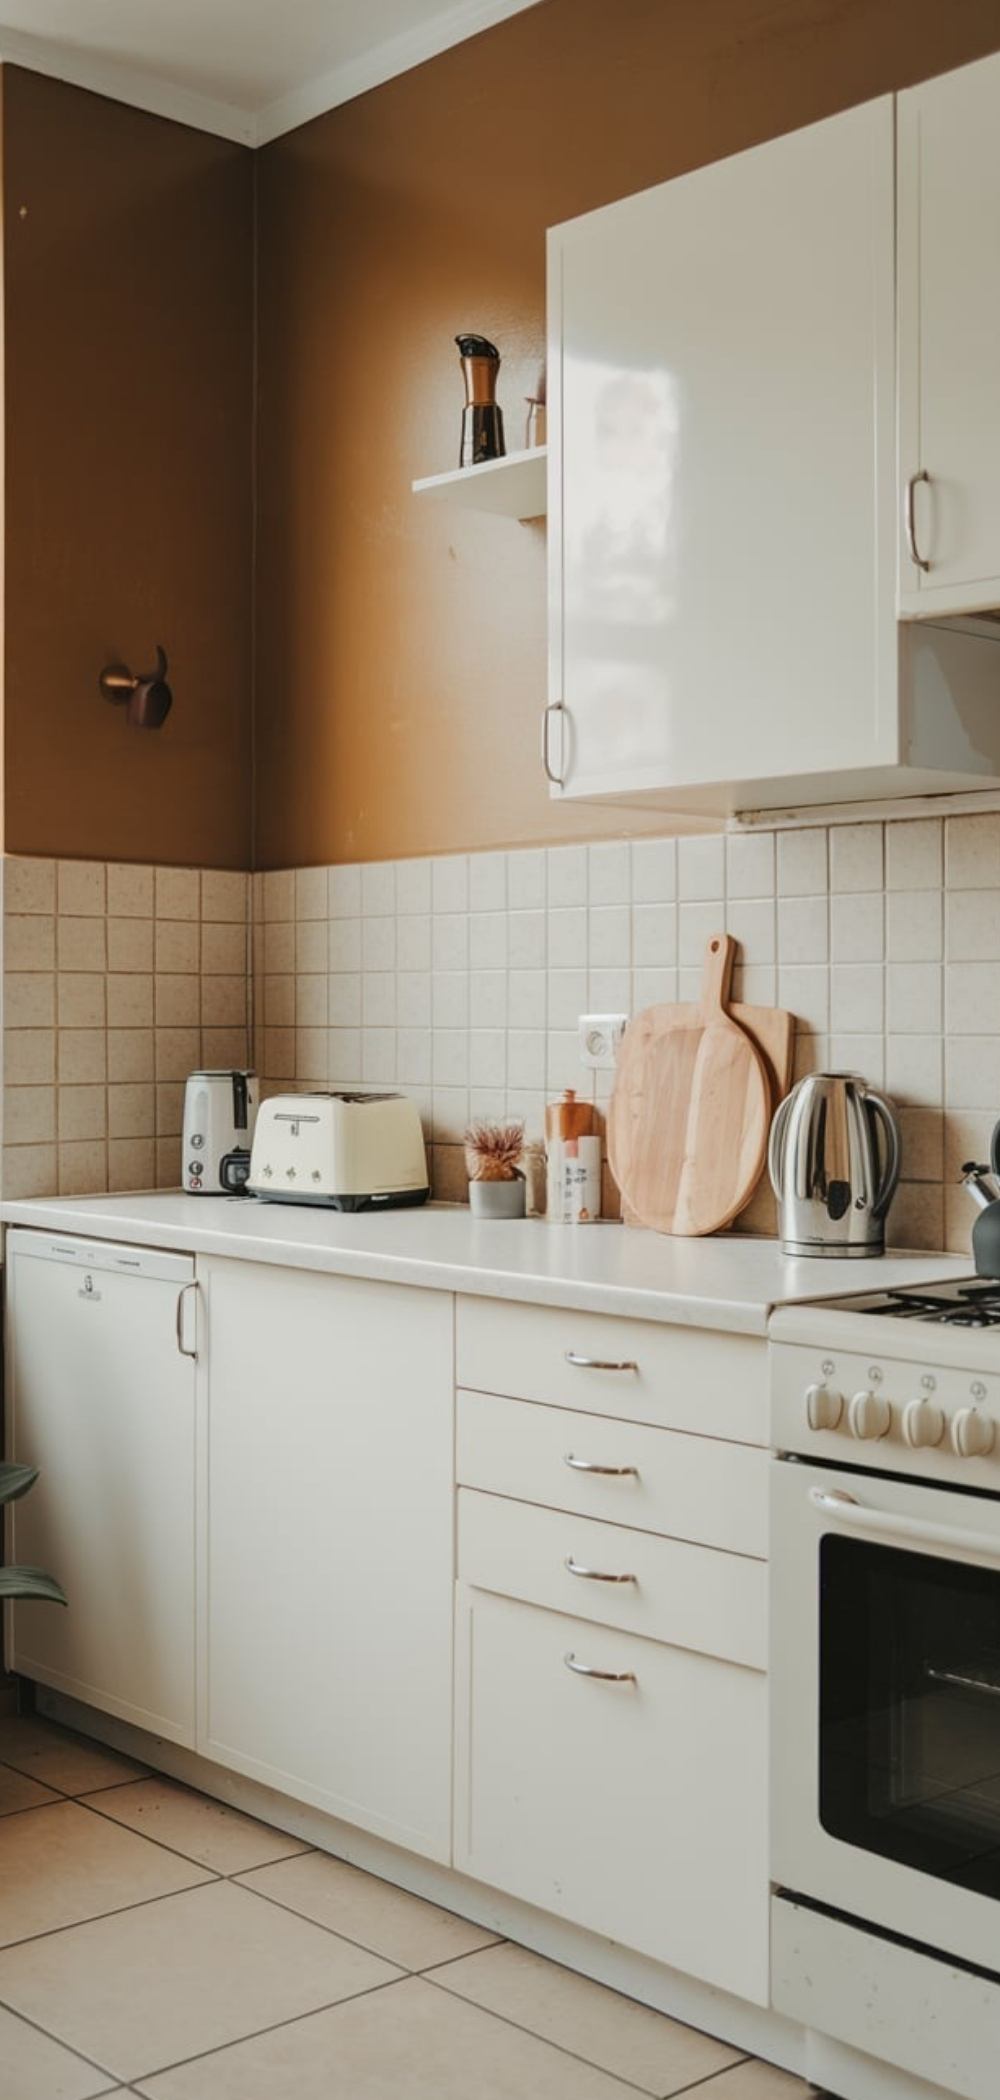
(328, 1628)
(631, 1803)
(611, 1649)
(101, 1396)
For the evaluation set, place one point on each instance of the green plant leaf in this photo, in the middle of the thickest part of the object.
(31, 1582)
(15, 1480)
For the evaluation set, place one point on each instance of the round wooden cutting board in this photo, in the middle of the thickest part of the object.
(691, 1108)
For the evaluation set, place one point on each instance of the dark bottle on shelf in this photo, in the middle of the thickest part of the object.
(482, 420)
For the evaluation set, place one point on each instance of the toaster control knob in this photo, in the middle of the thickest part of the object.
(824, 1406)
(972, 1433)
(869, 1416)
(197, 1140)
(923, 1424)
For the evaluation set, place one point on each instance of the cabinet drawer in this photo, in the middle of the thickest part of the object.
(688, 1596)
(682, 1377)
(637, 1808)
(684, 1486)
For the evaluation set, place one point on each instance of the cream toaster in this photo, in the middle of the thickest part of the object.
(350, 1151)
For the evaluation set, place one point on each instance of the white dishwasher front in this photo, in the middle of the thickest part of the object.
(101, 1347)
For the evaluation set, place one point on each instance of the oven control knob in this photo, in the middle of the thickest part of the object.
(923, 1423)
(972, 1433)
(869, 1415)
(824, 1406)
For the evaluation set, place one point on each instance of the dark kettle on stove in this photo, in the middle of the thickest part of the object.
(983, 1184)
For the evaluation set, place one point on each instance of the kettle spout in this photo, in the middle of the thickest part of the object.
(980, 1184)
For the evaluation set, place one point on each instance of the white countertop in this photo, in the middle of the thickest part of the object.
(730, 1282)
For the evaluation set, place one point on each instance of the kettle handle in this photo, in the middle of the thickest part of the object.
(995, 1149)
(781, 1115)
(890, 1171)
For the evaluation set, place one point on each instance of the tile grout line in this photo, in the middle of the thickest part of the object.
(575, 2056)
(47, 2035)
(371, 1990)
(289, 1910)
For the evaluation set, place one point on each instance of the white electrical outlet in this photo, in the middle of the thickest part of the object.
(600, 1035)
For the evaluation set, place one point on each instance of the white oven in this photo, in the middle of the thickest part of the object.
(885, 1674)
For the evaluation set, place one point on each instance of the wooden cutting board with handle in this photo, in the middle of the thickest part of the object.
(691, 1108)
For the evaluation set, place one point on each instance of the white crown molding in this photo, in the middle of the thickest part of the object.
(102, 76)
(453, 26)
(162, 98)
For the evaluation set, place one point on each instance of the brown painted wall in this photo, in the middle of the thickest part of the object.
(129, 345)
(401, 667)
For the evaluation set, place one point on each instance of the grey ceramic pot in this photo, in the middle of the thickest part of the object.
(497, 1199)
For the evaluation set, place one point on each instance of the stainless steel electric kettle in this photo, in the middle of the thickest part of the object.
(834, 1159)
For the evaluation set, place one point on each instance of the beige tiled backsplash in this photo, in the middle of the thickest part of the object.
(460, 980)
(118, 981)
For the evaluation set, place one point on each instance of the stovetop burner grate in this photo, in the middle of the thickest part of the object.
(955, 1305)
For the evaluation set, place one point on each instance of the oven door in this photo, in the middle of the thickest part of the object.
(885, 1675)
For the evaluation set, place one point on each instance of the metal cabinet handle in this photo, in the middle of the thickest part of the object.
(181, 1295)
(555, 707)
(911, 524)
(606, 1676)
(588, 1465)
(594, 1574)
(596, 1363)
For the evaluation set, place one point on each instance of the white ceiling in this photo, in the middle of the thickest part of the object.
(246, 69)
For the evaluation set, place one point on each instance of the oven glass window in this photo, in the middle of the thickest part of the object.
(910, 1709)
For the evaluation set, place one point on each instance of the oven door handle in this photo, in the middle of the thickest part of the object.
(971, 1545)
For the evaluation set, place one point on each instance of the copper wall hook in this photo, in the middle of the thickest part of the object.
(145, 694)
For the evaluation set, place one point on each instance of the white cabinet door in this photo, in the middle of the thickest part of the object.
(721, 376)
(632, 1803)
(101, 1398)
(949, 330)
(330, 1555)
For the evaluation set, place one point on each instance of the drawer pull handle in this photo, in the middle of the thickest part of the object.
(595, 1363)
(607, 1676)
(594, 1574)
(588, 1465)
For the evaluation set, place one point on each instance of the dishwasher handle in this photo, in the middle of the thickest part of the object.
(181, 1324)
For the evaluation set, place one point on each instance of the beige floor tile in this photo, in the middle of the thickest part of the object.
(630, 2040)
(62, 1864)
(164, 1982)
(391, 1922)
(70, 1763)
(411, 2042)
(758, 2081)
(34, 2068)
(204, 1830)
(18, 1791)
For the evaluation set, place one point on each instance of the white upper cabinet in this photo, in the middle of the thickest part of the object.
(949, 333)
(722, 496)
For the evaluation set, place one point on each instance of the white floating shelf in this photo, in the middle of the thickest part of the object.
(512, 487)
